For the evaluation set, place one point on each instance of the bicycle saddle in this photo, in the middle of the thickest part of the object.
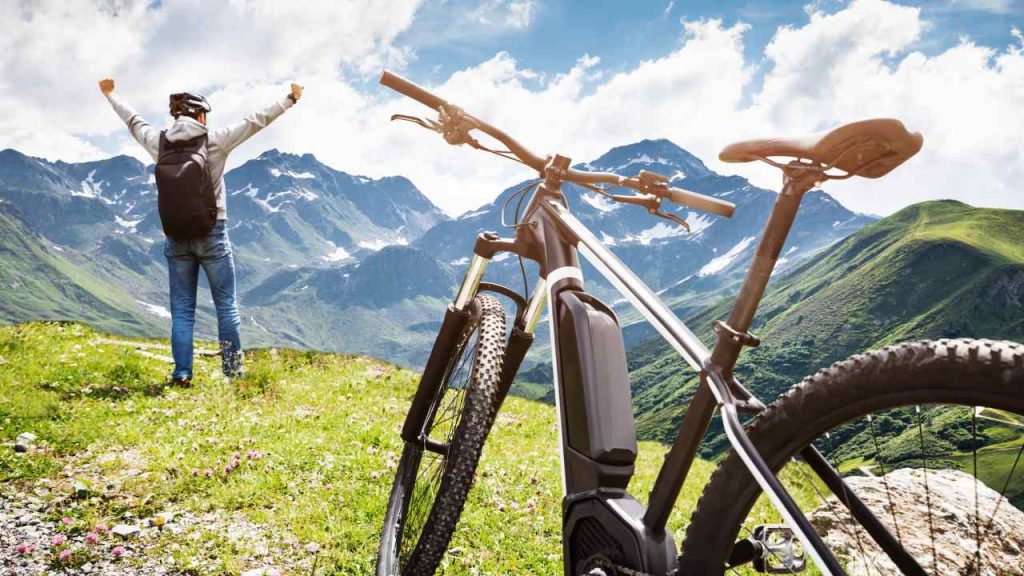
(869, 148)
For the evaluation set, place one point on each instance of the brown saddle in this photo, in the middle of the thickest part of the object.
(869, 148)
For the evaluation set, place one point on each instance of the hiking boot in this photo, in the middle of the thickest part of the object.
(181, 382)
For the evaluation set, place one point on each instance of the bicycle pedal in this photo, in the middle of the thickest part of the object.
(776, 550)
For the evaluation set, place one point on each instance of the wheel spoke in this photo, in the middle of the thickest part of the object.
(974, 454)
(1002, 496)
(927, 492)
(885, 480)
(852, 531)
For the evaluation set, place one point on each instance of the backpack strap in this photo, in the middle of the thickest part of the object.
(192, 144)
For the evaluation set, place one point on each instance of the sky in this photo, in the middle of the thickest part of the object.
(573, 77)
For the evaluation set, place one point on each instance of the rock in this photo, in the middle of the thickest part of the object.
(312, 547)
(125, 530)
(82, 490)
(27, 438)
(20, 448)
(951, 494)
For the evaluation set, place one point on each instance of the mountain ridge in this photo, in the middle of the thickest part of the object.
(923, 272)
(296, 222)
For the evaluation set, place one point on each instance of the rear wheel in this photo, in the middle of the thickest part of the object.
(434, 475)
(928, 435)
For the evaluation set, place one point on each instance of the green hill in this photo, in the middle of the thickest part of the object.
(323, 430)
(38, 281)
(935, 269)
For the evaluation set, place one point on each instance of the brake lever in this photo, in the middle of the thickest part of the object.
(653, 205)
(428, 124)
(671, 217)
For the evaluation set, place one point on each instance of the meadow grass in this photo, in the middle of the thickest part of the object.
(317, 437)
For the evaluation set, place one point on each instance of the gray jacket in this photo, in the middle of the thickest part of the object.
(220, 142)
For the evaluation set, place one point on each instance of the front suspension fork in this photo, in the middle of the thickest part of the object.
(457, 319)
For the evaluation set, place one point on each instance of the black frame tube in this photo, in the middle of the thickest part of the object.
(861, 513)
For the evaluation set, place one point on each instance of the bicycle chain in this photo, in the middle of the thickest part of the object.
(602, 562)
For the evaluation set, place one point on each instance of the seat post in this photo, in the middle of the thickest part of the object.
(796, 181)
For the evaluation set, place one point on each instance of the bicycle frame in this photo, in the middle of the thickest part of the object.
(594, 482)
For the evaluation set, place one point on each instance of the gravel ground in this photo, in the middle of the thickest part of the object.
(24, 521)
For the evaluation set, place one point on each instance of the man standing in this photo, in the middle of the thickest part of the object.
(212, 251)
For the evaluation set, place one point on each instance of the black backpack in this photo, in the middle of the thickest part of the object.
(185, 195)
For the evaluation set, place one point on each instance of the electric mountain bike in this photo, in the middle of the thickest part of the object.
(884, 401)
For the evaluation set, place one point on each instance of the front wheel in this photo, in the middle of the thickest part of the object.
(435, 473)
(929, 435)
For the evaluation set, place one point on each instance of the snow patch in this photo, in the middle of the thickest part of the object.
(460, 262)
(337, 254)
(673, 285)
(472, 214)
(719, 263)
(376, 245)
(300, 175)
(698, 222)
(91, 188)
(607, 240)
(642, 159)
(127, 224)
(256, 324)
(659, 231)
(598, 202)
(678, 175)
(501, 257)
(155, 310)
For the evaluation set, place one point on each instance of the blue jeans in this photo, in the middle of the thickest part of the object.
(213, 253)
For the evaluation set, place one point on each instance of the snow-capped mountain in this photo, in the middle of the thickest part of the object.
(331, 260)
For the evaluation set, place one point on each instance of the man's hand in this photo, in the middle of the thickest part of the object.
(107, 86)
(296, 91)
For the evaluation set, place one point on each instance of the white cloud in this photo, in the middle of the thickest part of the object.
(994, 6)
(514, 14)
(52, 52)
(854, 63)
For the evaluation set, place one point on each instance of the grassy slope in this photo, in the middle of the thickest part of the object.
(936, 269)
(327, 424)
(38, 283)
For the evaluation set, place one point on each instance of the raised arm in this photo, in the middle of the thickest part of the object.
(141, 130)
(231, 136)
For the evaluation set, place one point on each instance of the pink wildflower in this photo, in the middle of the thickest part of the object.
(208, 473)
(252, 455)
(64, 555)
(67, 520)
(92, 537)
(117, 551)
(102, 528)
(58, 540)
(195, 471)
(24, 548)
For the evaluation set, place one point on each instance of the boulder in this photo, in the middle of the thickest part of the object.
(953, 522)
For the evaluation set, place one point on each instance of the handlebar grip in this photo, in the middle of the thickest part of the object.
(701, 202)
(403, 86)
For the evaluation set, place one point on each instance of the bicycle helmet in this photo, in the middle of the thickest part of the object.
(187, 104)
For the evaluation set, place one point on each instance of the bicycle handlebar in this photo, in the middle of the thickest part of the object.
(403, 86)
(701, 202)
(442, 106)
